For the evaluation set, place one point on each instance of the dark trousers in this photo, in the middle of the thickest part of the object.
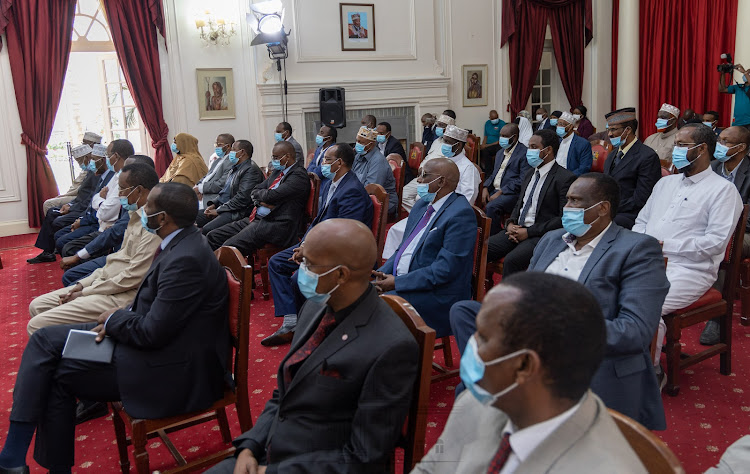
(498, 209)
(46, 390)
(463, 318)
(72, 247)
(83, 270)
(207, 225)
(487, 158)
(517, 256)
(241, 234)
(283, 275)
(64, 235)
(52, 223)
(625, 220)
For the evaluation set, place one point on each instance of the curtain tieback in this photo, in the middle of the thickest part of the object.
(160, 142)
(26, 140)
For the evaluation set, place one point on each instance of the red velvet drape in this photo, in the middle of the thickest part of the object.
(680, 44)
(134, 25)
(38, 35)
(524, 25)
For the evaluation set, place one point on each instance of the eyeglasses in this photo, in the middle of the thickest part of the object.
(424, 175)
(222, 145)
(278, 157)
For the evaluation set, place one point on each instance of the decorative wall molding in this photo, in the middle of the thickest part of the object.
(16, 227)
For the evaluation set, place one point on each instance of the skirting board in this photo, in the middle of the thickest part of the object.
(15, 228)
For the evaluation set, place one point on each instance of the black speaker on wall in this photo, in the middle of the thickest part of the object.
(333, 107)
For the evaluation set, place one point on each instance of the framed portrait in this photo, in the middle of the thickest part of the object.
(357, 26)
(215, 94)
(475, 80)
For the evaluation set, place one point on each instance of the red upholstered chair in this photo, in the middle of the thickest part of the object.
(600, 156)
(239, 278)
(397, 166)
(472, 148)
(713, 304)
(416, 155)
(309, 158)
(380, 215)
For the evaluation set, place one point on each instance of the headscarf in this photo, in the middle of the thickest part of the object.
(525, 130)
(187, 167)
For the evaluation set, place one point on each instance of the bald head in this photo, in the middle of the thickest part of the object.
(509, 130)
(445, 168)
(342, 242)
(738, 134)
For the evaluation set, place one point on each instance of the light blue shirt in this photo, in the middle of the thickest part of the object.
(169, 238)
(263, 211)
(374, 168)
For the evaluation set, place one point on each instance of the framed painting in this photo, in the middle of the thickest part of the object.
(475, 81)
(215, 94)
(357, 26)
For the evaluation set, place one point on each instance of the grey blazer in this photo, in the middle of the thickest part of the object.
(297, 150)
(588, 441)
(741, 181)
(213, 186)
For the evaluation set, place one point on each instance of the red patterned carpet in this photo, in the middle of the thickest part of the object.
(710, 413)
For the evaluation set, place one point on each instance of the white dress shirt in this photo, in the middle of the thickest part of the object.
(570, 262)
(525, 441)
(531, 213)
(468, 183)
(562, 153)
(506, 159)
(332, 189)
(108, 208)
(405, 260)
(435, 150)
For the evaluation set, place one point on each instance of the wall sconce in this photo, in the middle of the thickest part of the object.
(214, 30)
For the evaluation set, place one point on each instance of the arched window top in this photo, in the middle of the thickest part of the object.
(90, 28)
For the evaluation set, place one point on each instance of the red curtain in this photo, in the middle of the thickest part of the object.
(615, 39)
(38, 35)
(134, 25)
(572, 29)
(680, 44)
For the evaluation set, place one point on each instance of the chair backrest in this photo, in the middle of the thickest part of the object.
(599, 157)
(479, 269)
(653, 453)
(309, 158)
(311, 210)
(380, 214)
(397, 166)
(416, 421)
(472, 148)
(732, 259)
(480, 187)
(416, 155)
(665, 172)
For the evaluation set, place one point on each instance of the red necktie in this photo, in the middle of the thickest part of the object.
(275, 182)
(324, 327)
(501, 456)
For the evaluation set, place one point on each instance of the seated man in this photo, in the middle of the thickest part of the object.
(529, 407)
(432, 266)
(234, 201)
(711, 119)
(280, 203)
(625, 272)
(283, 132)
(170, 353)
(370, 166)
(634, 165)
(539, 207)
(208, 187)
(575, 151)
(694, 214)
(389, 144)
(115, 284)
(368, 121)
(501, 188)
(553, 118)
(428, 130)
(81, 154)
(662, 141)
(490, 146)
(543, 120)
(187, 167)
(341, 402)
(342, 196)
(325, 139)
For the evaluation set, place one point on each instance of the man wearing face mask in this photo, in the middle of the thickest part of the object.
(741, 98)
(234, 201)
(209, 187)
(543, 120)
(325, 139)
(280, 203)
(431, 268)
(283, 132)
(370, 166)
(80, 154)
(490, 146)
(528, 406)
(694, 213)
(662, 141)
(632, 164)
(711, 119)
(343, 389)
(428, 130)
(435, 149)
(501, 188)
(575, 152)
(539, 208)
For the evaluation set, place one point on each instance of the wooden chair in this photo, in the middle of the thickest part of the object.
(397, 166)
(653, 453)
(413, 440)
(265, 253)
(416, 155)
(309, 158)
(239, 278)
(472, 148)
(743, 290)
(380, 214)
(713, 304)
(478, 197)
(478, 275)
(600, 156)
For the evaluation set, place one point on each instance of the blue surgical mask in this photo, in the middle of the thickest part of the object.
(572, 220)
(278, 137)
(219, 152)
(319, 139)
(307, 282)
(423, 190)
(144, 221)
(495, 121)
(381, 139)
(618, 141)
(709, 124)
(721, 152)
(662, 123)
(276, 164)
(174, 148)
(553, 121)
(125, 204)
(83, 166)
(679, 156)
(359, 148)
(504, 142)
(472, 371)
(233, 158)
(91, 166)
(447, 150)
(533, 158)
(439, 131)
(560, 130)
(325, 170)
(111, 166)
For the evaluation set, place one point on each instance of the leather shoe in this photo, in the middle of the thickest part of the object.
(711, 334)
(282, 336)
(14, 470)
(44, 257)
(86, 411)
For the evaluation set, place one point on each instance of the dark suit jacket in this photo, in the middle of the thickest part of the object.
(393, 145)
(516, 169)
(283, 225)
(626, 274)
(636, 174)
(544, 125)
(300, 155)
(580, 156)
(344, 408)
(440, 268)
(110, 238)
(85, 192)
(172, 345)
(350, 201)
(314, 167)
(741, 181)
(552, 199)
(243, 179)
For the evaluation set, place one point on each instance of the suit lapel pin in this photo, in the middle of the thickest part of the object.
(344, 337)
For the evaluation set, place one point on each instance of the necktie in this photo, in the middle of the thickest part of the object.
(275, 182)
(420, 225)
(527, 204)
(616, 161)
(501, 455)
(324, 327)
(158, 251)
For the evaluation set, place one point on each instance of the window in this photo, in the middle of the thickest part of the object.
(121, 116)
(541, 94)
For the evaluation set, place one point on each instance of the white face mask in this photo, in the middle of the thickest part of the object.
(539, 117)
(577, 117)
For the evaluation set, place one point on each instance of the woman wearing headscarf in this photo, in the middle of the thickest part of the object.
(188, 166)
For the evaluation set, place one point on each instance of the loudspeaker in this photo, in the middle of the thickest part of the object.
(333, 107)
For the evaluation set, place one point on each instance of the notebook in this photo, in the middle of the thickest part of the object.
(82, 345)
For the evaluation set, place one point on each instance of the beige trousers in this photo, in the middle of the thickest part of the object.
(56, 202)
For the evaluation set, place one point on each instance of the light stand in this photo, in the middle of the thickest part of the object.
(266, 20)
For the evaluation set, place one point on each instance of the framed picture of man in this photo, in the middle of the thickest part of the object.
(215, 94)
(475, 80)
(357, 26)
